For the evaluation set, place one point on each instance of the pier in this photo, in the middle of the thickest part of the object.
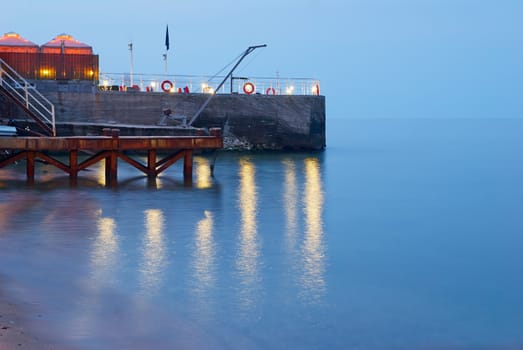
(162, 152)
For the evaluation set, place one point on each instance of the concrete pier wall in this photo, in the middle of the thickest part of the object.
(249, 121)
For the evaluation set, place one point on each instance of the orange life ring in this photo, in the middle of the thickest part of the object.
(166, 83)
(248, 88)
(270, 91)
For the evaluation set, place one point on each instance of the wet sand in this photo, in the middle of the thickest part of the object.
(13, 332)
(15, 326)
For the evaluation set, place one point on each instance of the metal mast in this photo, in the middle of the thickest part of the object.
(245, 53)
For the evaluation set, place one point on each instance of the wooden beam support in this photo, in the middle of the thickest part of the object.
(53, 161)
(93, 160)
(168, 161)
(134, 163)
(13, 158)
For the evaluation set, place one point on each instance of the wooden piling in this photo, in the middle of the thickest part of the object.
(187, 164)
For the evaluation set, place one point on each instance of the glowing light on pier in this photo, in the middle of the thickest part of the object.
(315, 89)
(206, 89)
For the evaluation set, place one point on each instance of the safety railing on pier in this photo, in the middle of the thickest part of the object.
(14, 86)
(207, 84)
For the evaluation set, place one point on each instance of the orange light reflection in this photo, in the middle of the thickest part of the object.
(290, 199)
(153, 249)
(204, 253)
(203, 173)
(105, 248)
(248, 253)
(313, 249)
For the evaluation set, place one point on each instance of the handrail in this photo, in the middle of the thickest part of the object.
(19, 88)
(205, 84)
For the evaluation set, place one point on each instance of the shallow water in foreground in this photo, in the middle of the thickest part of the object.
(403, 234)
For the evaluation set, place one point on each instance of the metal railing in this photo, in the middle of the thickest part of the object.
(207, 84)
(23, 93)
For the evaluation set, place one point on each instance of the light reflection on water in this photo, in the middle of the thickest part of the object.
(104, 250)
(204, 252)
(290, 195)
(248, 244)
(99, 173)
(313, 246)
(204, 265)
(104, 255)
(203, 173)
(154, 251)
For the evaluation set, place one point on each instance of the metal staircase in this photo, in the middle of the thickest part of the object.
(18, 90)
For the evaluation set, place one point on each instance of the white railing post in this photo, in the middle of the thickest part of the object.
(53, 121)
(26, 95)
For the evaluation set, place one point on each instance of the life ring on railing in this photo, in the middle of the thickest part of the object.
(167, 85)
(270, 91)
(248, 88)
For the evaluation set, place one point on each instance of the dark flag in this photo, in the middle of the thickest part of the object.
(167, 38)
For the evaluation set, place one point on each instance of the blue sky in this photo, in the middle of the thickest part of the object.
(375, 58)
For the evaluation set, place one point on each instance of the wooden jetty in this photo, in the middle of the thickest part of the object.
(109, 147)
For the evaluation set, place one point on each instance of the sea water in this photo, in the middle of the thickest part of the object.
(402, 234)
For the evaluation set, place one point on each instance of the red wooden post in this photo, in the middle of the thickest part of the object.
(151, 163)
(113, 169)
(73, 164)
(187, 164)
(111, 162)
(30, 166)
(107, 169)
(215, 132)
(115, 133)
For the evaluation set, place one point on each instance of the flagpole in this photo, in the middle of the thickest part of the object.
(166, 46)
(131, 63)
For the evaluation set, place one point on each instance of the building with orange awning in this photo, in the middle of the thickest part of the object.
(62, 58)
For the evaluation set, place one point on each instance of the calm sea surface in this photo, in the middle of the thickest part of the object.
(403, 234)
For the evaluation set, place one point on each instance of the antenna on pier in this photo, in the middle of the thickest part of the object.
(245, 53)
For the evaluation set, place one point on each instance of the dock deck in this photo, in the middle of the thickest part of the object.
(109, 147)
